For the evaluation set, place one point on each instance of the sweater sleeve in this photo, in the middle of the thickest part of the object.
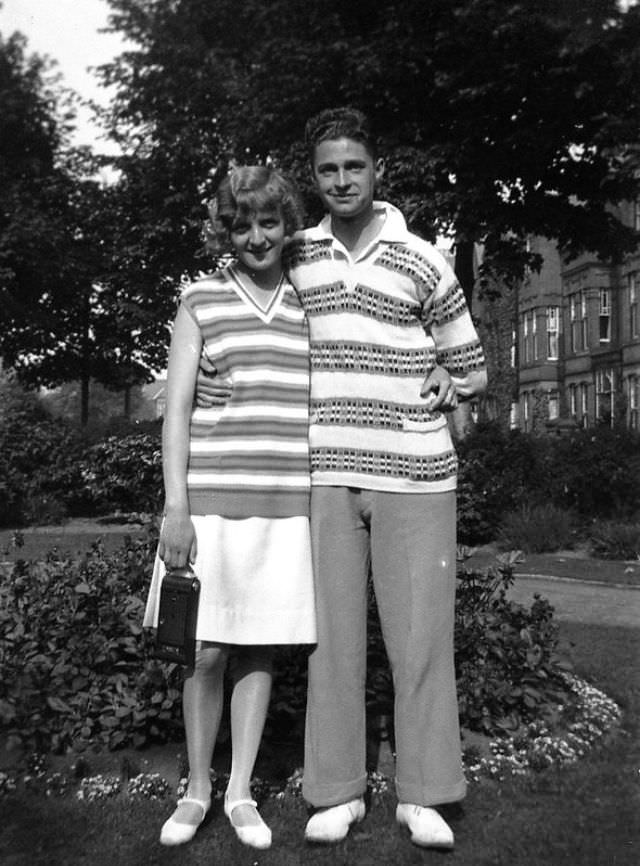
(458, 347)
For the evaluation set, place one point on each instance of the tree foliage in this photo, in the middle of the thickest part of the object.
(499, 120)
(68, 311)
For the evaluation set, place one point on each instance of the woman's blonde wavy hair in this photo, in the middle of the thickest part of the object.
(246, 190)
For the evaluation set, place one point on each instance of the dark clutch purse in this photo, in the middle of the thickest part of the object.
(177, 617)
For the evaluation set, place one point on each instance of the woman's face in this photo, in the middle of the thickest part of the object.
(258, 239)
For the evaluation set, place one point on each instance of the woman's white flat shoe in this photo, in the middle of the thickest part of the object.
(255, 835)
(177, 832)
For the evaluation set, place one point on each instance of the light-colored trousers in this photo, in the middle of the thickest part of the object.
(408, 542)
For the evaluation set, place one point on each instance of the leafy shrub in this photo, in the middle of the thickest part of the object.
(590, 473)
(498, 470)
(507, 668)
(536, 529)
(120, 475)
(610, 539)
(34, 448)
(50, 469)
(596, 472)
(73, 661)
(75, 669)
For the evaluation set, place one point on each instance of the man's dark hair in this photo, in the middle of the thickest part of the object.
(334, 123)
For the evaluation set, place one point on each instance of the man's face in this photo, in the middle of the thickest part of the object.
(345, 176)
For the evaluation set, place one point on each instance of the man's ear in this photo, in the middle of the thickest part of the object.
(379, 168)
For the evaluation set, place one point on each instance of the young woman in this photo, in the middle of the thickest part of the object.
(237, 488)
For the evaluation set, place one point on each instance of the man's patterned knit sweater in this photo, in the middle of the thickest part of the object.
(378, 325)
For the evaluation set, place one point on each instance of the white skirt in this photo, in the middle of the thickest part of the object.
(256, 581)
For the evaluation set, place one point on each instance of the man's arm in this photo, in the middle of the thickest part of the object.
(458, 347)
(211, 388)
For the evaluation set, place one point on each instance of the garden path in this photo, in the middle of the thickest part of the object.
(582, 601)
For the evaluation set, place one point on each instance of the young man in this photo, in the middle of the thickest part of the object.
(392, 347)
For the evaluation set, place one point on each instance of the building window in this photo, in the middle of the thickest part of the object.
(578, 315)
(584, 405)
(553, 327)
(573, 401)
(525, 338)
(604, 395)
(634, 402)
(553, 405)
(514, 346)
(605, 316)
(513, 416)
(525, 410)
(636, 215)
(632, 280)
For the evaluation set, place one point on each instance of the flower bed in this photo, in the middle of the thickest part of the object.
(581, 724)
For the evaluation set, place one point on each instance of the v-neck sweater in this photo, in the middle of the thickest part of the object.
(250, 458)
(379, 323)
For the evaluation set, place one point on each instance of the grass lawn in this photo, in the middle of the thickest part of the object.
(585, 815)
(70, 538)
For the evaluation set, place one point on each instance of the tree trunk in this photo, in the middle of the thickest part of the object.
(464, 268)
(85, 376)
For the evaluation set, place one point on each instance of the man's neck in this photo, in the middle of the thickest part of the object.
(356, 234)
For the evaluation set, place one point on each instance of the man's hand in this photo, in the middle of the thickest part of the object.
(439, 390)
(211, 389)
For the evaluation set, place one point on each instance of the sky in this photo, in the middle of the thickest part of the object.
(68, 32)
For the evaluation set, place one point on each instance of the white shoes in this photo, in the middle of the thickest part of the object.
(428, 828)
(332, 824)
(255, 835)
(176, 832)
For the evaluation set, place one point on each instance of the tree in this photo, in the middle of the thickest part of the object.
(30, 192)
(68, 311)
(500, 119)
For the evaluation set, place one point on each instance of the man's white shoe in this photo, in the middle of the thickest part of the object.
(332, 824)
(428, 828)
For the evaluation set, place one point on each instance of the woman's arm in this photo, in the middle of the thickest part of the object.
(177, 538)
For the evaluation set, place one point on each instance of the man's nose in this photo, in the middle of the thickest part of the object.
(342, 178)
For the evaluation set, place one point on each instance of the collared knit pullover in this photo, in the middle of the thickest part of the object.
(250, 458)
(378, 325)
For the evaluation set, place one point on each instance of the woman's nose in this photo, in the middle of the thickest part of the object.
(257, 236)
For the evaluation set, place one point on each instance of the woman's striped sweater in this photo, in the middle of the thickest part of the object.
(378, 326)
(250, 458)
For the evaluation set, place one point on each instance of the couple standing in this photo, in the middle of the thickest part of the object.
(392, 347)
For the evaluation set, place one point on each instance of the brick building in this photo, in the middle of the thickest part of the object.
(564, 347)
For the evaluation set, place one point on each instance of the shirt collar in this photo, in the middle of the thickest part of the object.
(394, 229)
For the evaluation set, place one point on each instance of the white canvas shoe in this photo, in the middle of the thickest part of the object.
(177, 832)
(332, 824)
(254, 835)
(428, 828)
